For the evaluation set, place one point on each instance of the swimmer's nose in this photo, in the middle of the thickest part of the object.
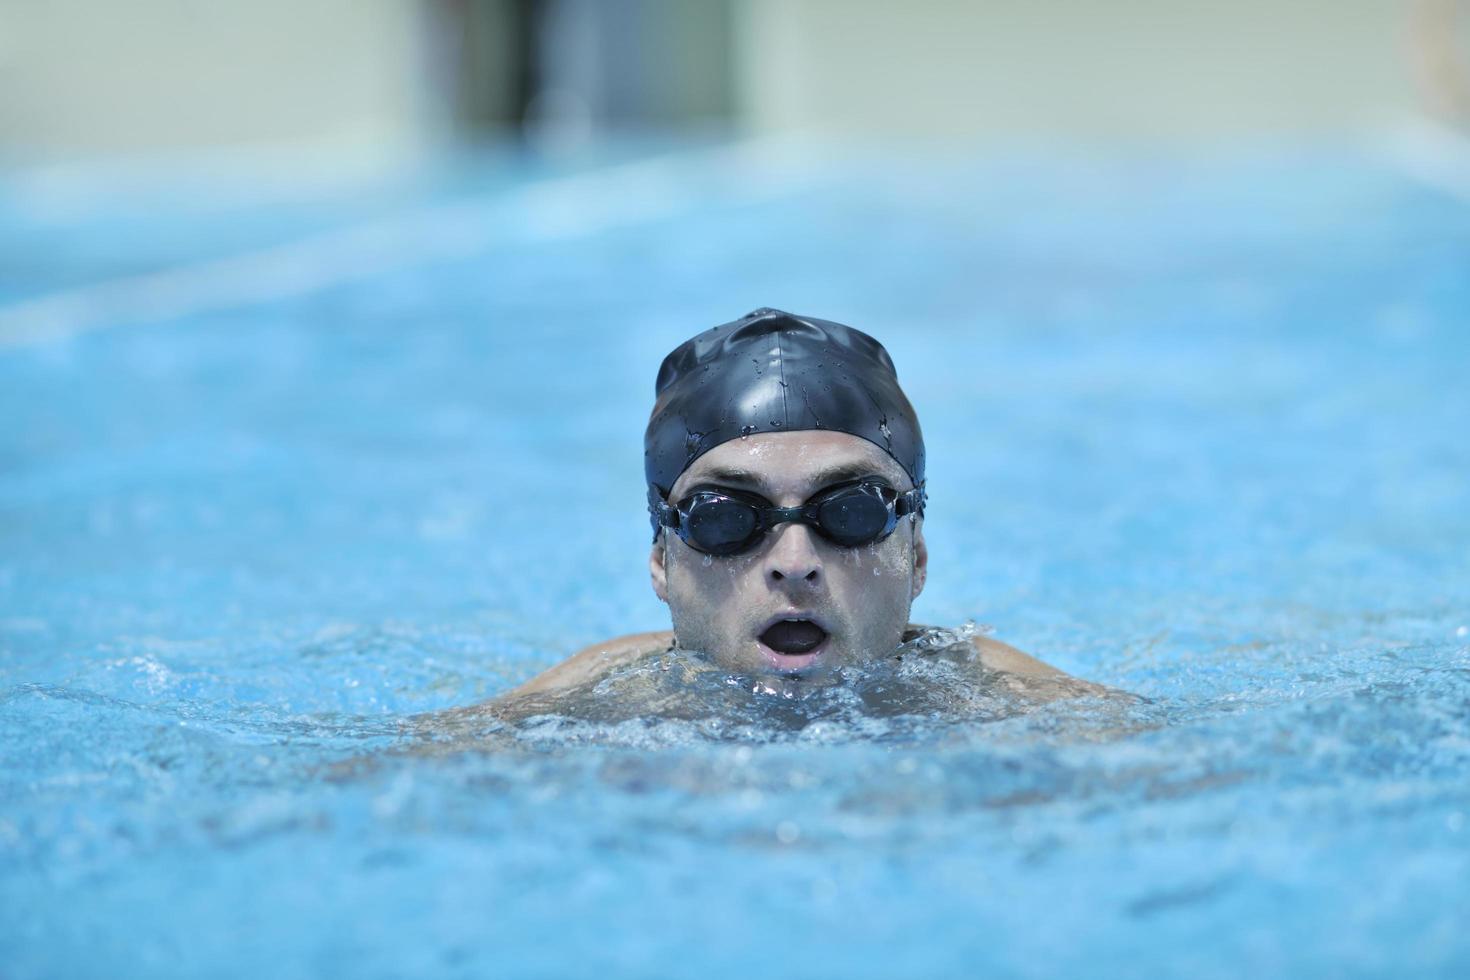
(793, 555)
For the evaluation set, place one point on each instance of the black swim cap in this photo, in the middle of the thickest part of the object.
(770, 371)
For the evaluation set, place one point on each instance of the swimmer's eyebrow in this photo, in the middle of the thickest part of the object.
(732, 476)
(836, 474)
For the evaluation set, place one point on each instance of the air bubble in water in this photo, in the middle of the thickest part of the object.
(876, 572)
(709, 560)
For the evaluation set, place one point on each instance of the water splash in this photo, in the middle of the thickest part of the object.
(930, 683)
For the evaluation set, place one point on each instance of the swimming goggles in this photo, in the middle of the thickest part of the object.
(727, 522)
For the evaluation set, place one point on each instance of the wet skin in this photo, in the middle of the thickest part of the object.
(859, 596)
(721, 606)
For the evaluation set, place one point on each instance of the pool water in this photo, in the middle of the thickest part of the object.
(283, 471)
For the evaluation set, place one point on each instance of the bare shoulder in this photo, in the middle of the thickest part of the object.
(1023, 671)
(1003, 657)
(1033, 675)
(593, 662)
(584, 667)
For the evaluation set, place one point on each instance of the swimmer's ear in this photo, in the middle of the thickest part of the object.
(658, 573)
(921, 561)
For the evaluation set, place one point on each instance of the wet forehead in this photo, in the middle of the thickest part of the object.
(792, 464)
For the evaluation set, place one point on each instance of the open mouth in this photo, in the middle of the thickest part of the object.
(791, 644)
(794, 636)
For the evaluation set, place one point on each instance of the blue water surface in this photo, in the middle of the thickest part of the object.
(280, 471)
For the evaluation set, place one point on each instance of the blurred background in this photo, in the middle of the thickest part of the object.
(328, 332)
(81, 80)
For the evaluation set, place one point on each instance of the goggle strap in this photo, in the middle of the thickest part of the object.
(911, 502)
(660, 514)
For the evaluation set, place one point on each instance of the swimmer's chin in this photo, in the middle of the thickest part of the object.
(760, 661)
(817, 664)
(791, 664)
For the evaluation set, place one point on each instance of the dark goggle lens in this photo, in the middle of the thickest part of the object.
(719, 525)
(853, 517)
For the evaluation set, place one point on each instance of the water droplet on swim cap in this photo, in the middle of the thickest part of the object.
(809, 374)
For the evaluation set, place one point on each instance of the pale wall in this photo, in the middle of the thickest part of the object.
(80, 77)
(1068, 69)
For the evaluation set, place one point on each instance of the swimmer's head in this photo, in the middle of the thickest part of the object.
(770, 371)
(775, 410)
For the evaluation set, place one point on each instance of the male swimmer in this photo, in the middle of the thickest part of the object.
(785, 472)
